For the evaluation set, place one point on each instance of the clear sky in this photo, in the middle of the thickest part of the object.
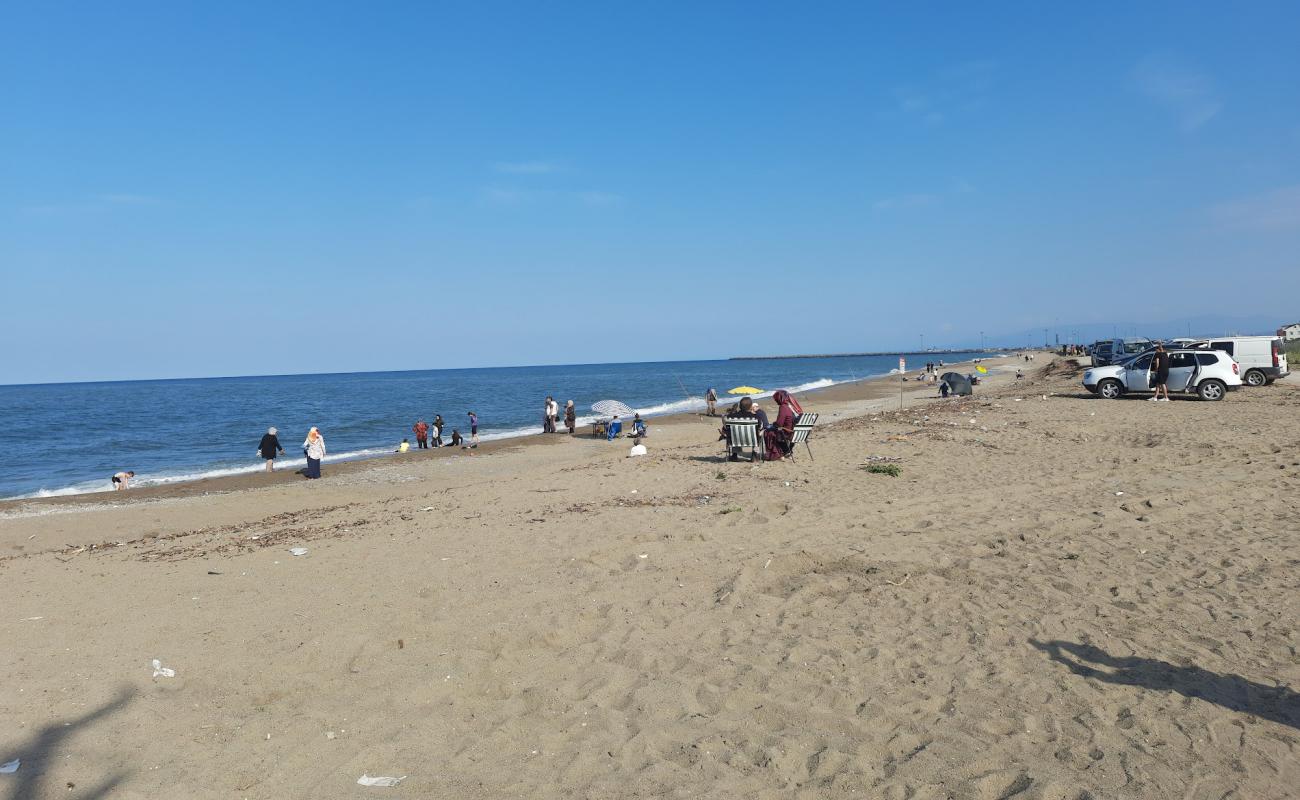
(193, 189)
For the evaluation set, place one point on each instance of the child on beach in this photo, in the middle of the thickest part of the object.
(437, 430)
(456, 439)
(473, 429)
(121, 479)
(404, 447)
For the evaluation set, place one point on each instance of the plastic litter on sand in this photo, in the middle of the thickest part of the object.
(159, 671)
(298, 551)
(10, 767)
(366, 780)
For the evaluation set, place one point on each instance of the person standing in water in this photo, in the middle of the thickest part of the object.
(314, 448)
(473, 429)
(437, 430)
(421, 431)
(570, 417)
(268, 447)
(711, 400)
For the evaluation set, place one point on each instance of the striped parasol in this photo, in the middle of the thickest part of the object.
(612, 408)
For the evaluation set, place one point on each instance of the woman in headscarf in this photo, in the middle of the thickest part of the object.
(570, 417)
(314, 449)
(777, 438)
(268, 447)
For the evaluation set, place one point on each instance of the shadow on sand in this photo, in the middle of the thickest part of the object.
(40, 752)
(1276, 703)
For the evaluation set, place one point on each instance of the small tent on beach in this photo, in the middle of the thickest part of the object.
(958, 384)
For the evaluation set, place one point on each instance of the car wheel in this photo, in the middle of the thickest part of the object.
(1110, 389)
(1211, 390)
(1255, 378)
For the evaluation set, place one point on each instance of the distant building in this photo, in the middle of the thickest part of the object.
(1289, 332)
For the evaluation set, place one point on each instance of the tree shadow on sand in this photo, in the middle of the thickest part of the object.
(39, 754)
(1276, 703)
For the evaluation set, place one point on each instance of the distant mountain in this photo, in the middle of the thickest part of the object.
(1085, 333)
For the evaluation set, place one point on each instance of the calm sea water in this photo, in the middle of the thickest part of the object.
(69, 438)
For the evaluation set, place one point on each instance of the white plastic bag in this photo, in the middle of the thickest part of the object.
(366, 780)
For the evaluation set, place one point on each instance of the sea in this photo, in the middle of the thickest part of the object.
(69, 438)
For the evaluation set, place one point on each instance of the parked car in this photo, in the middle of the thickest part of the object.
(1121, 349)
(1210, 374)
(1262, 358)
(1100, 352)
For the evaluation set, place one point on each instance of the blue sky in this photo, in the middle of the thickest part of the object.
(212, 189)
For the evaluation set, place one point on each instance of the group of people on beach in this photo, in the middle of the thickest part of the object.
(427, 435)
(551, 416)
(778, 437)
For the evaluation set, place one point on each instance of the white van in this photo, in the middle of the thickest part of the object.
(1261, 358)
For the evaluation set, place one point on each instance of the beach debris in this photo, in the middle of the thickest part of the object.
(634, 491)
(10, 767)
(768, 564)
(899, 583)
(642, 555)
(159, 671)
(329, 735)
(31, 619)
(213, 572)
(1119, 494)
(298, 551)
(366, 780)
(637, 450)
(427, 508)
(401, 645)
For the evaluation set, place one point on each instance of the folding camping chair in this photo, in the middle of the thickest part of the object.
(742, 433)
(802, 428)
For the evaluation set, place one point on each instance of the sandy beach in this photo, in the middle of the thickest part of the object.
(1058, 597)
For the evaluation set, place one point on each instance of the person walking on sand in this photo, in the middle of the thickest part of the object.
(711, 402)
(437, 430)
(1160, 373)
(473, 429)
(570, 417)
(314, 448)
(121, 479)
(268, 447)
(421, 431)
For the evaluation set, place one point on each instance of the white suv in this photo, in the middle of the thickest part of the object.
(1209, 373)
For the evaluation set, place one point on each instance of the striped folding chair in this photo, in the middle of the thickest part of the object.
(802, 429)
(742, 432)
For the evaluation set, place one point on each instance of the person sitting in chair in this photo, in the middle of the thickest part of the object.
(615, 429)
(745, 410)
(638, 427)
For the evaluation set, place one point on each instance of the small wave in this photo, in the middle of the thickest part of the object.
(144, 479)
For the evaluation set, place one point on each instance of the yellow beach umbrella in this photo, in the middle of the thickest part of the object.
(744, 390)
